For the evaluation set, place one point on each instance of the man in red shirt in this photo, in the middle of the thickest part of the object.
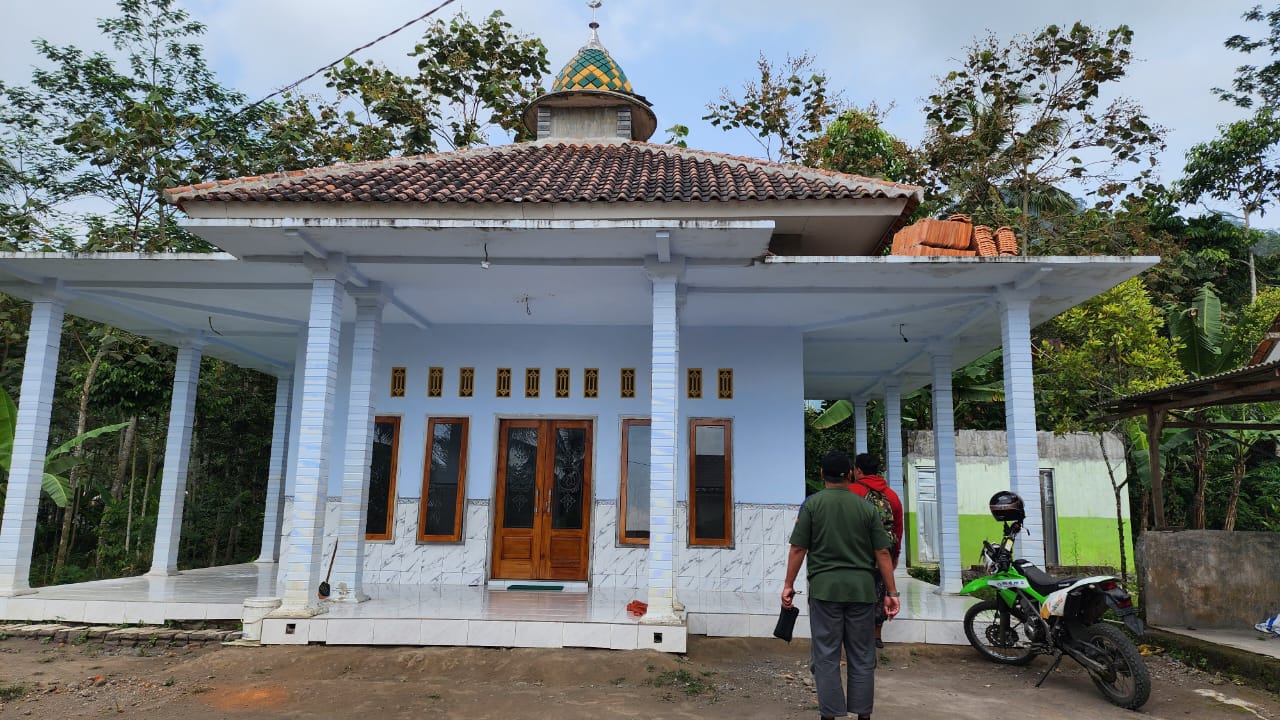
(868, 483)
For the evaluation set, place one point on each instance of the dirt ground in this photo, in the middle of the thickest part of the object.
(719, 678)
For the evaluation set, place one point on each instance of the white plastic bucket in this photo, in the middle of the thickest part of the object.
(255, 609)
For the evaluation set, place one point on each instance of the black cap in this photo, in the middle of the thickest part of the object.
(836, 465)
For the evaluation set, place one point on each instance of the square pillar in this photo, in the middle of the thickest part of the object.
(944, 448)
(859, 425)
(664, 448)
(177, 458)
(301, 570)
(353, 513)
(893, 437)
(1020, 419)
(273, 514)
(30, 445)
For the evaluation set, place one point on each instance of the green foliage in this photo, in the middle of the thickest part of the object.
(471, 78)
(57, 463)
(1256, 86)
(676, 135)
(785, 110)
(1109, 347)
(1023, 118)
(1251, 325)
(1241, 166)
(1199, 333)
(855, 143)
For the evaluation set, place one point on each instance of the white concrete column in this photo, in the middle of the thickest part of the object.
(301, 569)
(273, 514)
(1020, 419)
(177, 458)
(944, 448)
(353, 513)
(893, 438)
(30, 445)
(664, 447)
(859, 425)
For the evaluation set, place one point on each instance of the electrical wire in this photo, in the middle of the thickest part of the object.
(365, 46)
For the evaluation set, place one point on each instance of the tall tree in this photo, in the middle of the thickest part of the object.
(1256, 86)
(785, 109)
(1020, 125)
(472, 79)
(1241, 166)
(855, 142)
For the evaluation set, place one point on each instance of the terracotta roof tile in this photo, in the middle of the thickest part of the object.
(550, 172)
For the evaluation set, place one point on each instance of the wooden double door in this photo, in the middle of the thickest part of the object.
(542, 525)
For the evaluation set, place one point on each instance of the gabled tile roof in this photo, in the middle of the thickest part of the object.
(552, 172)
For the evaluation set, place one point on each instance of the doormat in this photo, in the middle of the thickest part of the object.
(538, 588)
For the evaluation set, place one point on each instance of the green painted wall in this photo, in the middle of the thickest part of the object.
(1085, 501)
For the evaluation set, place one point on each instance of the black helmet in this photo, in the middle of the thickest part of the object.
(1006, 506)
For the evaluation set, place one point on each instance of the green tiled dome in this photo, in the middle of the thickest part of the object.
(592, 69)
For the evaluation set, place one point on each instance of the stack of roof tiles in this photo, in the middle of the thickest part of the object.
(956, 236)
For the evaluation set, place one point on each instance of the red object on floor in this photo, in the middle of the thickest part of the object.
(635, 607)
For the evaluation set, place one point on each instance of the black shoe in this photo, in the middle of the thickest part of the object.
(879, 644)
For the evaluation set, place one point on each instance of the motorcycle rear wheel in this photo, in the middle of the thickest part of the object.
(982, 626)
(1130, 684)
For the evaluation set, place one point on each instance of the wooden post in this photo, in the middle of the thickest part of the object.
(1155, 424)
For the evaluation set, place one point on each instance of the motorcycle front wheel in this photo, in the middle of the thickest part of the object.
(996, 632)
(1126, 682)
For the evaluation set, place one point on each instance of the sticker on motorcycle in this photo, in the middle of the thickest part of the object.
(1009, 584)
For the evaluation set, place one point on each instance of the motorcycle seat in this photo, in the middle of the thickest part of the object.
(1041, 581)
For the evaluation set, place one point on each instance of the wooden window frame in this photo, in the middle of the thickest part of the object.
(456, 535)
(395, 471)
(591, 383)
(693, 383)
(627, 424)
(724, 384)
(532, 382)
(627, 383)
(399, 381)
(563, 382)
(498, 390)
(435, 381)
(466, 382)
(727, 424)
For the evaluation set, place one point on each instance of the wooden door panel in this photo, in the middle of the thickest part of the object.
(542, 525)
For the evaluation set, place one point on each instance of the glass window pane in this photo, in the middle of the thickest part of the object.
(637, 500)
(522, 476)
(380, 478)
(570, 472)
(443, 478)
(709, 482)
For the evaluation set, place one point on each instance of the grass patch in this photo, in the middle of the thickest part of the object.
(685, 681)
(11, 692)
(926, 573)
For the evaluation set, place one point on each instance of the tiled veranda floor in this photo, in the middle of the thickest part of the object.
(458, 615)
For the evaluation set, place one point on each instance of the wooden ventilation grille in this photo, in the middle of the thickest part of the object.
(562, 382)
(435, 382)
(397, 381)
(628, 382)
(591, 383)
(694, 383)
(467, 382)
(504, 382)
(532, 381)
(726, 383)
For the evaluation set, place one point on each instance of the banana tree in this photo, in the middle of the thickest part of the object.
(58, 463)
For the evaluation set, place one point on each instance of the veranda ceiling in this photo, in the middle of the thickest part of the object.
(853, 312)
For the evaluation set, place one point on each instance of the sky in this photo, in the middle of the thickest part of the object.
(681, 53)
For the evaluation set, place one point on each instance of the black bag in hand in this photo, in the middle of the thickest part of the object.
(786, 623)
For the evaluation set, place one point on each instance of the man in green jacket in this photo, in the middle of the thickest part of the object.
(846, 544)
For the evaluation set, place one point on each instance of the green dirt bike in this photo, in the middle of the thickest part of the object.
(1037, 614)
